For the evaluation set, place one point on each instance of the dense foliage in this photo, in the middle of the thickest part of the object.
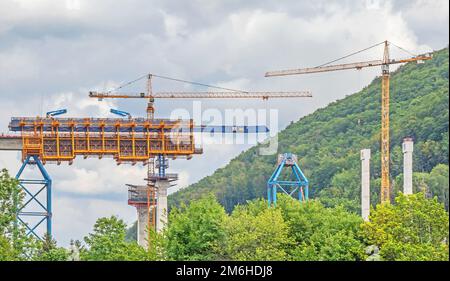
(195, 231)
(414, 228)
(255, 232)
(328, 143)
(107, 242)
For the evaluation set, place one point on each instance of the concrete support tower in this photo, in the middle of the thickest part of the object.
(161, 204)
(137, 197)
(365, 184)
(142, 219)
(159, 181)
(407, 165)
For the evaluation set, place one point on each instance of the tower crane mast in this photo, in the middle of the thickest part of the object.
(385, 96)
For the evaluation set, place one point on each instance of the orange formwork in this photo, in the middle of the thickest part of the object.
(126, 140)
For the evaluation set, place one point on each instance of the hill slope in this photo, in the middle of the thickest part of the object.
(328, 141)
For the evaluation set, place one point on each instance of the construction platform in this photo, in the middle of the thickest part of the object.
(126, 140)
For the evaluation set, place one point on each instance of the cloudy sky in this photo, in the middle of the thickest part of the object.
(53, 52)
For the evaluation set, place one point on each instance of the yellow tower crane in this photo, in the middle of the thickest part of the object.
(384, 63)
(225, 93)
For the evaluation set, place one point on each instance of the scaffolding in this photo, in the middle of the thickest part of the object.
(35, 211)
(126, 140)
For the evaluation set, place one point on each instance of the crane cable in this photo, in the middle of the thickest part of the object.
(198, 84)
(365, 49)
(404, 50)
(352, 54)
(127, 84)
(173, 79)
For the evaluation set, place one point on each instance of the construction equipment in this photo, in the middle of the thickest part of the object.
(120, 112)
(230, 93)
(56, 112)
(299, 184)
(129, 140)
(384, 63)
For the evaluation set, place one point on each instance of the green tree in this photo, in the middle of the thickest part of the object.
(132, 232)
(7, 252)
(414, 228)
(322, 233)
(435, 183)
(338, 246)
(49, 251)
(14, 243)
(439, 183)
(107, 242)
(345, 187)
(255, 232)
(9, 197)
(195, 231)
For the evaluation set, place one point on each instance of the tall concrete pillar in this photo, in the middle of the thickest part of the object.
(365, 183)
(407, 165)
(142, 220)
(161, 207)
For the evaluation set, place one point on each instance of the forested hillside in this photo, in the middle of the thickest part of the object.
(328, 143)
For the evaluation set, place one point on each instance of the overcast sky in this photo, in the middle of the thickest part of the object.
(53, 52)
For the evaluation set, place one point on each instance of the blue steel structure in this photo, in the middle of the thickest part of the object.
(299, 184)
(162, 164)
(120, 112)
(56, 112)
(41, 210)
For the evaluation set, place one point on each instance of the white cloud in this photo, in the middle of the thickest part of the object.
(174, 26)
(80, 105)
(96, 177)
(18, 65)
(74, 218)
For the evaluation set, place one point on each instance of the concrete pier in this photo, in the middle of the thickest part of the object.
(142, 230)
(407, 165)
(365, 184)
(161, 204)
(137, 197)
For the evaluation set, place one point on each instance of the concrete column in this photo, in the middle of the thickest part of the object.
(142, 220)
(161, 207)
(407, 165)
(365, 183)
